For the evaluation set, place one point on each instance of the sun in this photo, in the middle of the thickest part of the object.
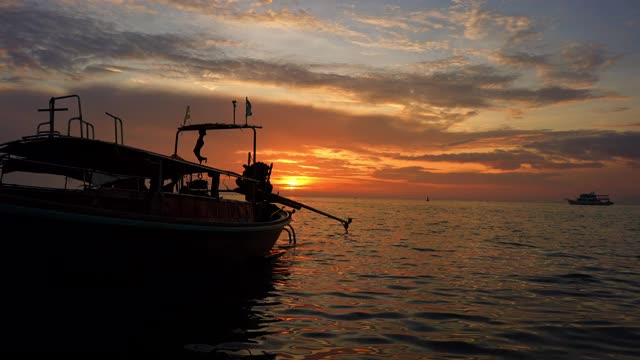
(292, 184)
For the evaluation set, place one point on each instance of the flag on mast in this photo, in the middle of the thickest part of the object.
(248, 110)
(187, 116)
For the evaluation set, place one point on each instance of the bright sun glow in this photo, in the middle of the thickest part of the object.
(292, 182)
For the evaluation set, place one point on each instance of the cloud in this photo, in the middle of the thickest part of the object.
(547, 95)
(395, 17)
(591, 145)
(479, 23)
(416, 174)
(450, 92)
(580, 67)
(263, 14)
(36, 42)
(9, 3)
(380, 21)
(507, 160)
(199, 5)
(522, 59)
(441, 120)
(407, 30)
(410, 21)
(475, 86)
(586, 56)
(576, 66)
(445, 64)
(400, 30)
(396, 41)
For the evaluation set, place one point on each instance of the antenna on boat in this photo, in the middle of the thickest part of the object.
(234, 111)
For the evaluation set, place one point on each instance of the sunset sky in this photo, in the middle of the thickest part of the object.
(484, 100)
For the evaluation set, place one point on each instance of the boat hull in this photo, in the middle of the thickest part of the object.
(575, 202)
(70, 235)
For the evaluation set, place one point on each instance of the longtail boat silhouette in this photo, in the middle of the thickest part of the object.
(134, 199)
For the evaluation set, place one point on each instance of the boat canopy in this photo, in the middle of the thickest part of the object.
(66, 155)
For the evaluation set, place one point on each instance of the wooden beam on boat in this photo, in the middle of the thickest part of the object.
(298, 205)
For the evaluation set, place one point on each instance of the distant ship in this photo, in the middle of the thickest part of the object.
(591, 199)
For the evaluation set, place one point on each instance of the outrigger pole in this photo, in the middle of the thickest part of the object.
(297, 205)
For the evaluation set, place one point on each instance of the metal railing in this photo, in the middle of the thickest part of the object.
(117, 120)
(85, 127)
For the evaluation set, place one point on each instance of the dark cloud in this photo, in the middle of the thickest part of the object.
(520, 58)
(587, 57)
(571, 165)
(65, 43)
(547, 95)
(522, 35)
(415, 174)
(577, 65)
(503, 160)
(591, 145)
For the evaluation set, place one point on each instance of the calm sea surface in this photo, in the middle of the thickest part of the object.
(411, 280)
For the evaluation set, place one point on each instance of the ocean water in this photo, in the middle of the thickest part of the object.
(411, 280)
(452, 279)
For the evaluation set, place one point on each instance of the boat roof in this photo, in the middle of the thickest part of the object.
(67, 154)
(217, 126)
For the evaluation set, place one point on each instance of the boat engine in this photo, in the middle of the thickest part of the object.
(255, 191)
